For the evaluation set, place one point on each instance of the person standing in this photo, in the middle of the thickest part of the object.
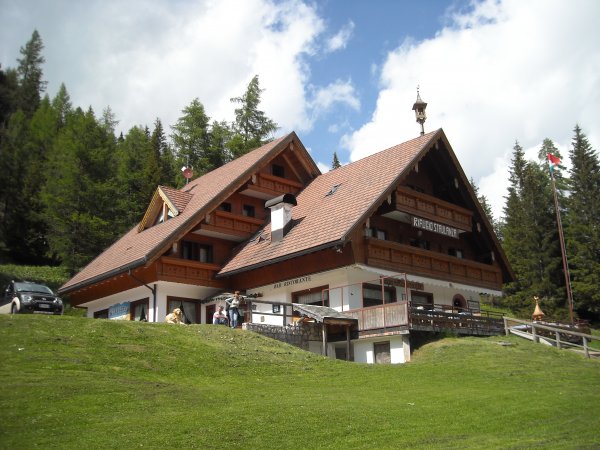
(234, 313)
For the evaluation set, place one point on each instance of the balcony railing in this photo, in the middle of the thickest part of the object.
(405, 258)
(235, 227)
(267, 186)
(390, 316)
(428, 207)
(187, 271)
(460, 322)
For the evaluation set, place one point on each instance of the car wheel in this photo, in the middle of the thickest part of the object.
(14, 309)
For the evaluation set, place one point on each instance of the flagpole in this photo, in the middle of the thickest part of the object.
(563, 249)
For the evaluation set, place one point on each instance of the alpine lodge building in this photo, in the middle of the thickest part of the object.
(351, 263)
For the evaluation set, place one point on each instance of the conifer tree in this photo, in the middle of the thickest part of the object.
(166, 159)
(30, 73)
(582, 227)
(191, 138)
(336, 162)
(8, 97)
(252, 128)
(79, 193)
(136, 183)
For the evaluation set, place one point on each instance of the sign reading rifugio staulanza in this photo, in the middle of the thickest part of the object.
(439, 228)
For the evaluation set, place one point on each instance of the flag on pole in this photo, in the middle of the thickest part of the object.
(553, 161)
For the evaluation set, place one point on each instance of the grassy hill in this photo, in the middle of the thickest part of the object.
(75, 383)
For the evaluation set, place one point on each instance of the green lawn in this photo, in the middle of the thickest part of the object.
(76, 383)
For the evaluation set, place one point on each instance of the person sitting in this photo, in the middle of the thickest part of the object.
(219, 317)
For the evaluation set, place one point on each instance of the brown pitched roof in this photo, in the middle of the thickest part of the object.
(321, 220)
(196, 199)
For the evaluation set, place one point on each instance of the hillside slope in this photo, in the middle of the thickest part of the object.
(81, 383)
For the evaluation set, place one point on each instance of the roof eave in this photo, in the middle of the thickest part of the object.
(104, 276)
(280, 258)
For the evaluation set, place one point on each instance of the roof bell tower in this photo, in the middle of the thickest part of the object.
(419, 109)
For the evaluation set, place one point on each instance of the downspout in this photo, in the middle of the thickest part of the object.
(154, 289)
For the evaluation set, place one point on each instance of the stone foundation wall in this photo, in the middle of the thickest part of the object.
(298, 335)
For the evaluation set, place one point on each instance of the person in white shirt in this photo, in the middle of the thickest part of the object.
(219, 317)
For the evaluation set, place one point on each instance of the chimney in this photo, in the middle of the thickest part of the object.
(281, 215)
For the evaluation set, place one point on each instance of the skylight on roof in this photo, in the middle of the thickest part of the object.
(333, 189)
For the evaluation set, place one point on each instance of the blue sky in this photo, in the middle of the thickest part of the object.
(342, 74)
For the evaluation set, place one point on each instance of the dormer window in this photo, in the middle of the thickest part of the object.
(164, 215)
(166, 203)
(225, 206)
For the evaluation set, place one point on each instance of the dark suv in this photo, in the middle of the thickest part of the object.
(27, 297)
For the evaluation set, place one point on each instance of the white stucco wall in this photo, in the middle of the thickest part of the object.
(399, 349)
(163, 290)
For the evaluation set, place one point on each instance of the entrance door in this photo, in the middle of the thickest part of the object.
(210, 310)
(382, 352)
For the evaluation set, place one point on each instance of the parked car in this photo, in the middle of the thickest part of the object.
(28, 297)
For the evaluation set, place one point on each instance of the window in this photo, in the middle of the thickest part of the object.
(318, 296)
(248, 211)
(372, 295)
(165, 214)
(421, 299)
(102, 314)
(378, 233)
(225, 206)
(139, 310)
(196, 252)
(278, 171)
(455, 252)
(421, 243)
(190, 308)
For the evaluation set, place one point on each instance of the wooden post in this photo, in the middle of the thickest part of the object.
(324, 351)
(586, 350)
(533, 333)
(558, 340)
(506, 330)
(347, 342)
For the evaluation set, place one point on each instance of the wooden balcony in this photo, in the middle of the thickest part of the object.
(464, 322)
(187, 271)
(428, 207)
(229, 226)
(395, 317)
(381, 319)
(404, 258)
(266, 187)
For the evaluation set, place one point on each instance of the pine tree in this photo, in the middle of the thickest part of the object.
(582, 227)
(336, 162)
(530, 237)
(252, 128)
(79, 193)
(135, 162)
(218, 153)
(167, 169)
(192, 139)
(8, 97)
(31, 84)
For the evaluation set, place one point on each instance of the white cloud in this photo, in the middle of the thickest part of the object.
(337, 92)
(508, 70)
(152, 58)
(340, 39)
